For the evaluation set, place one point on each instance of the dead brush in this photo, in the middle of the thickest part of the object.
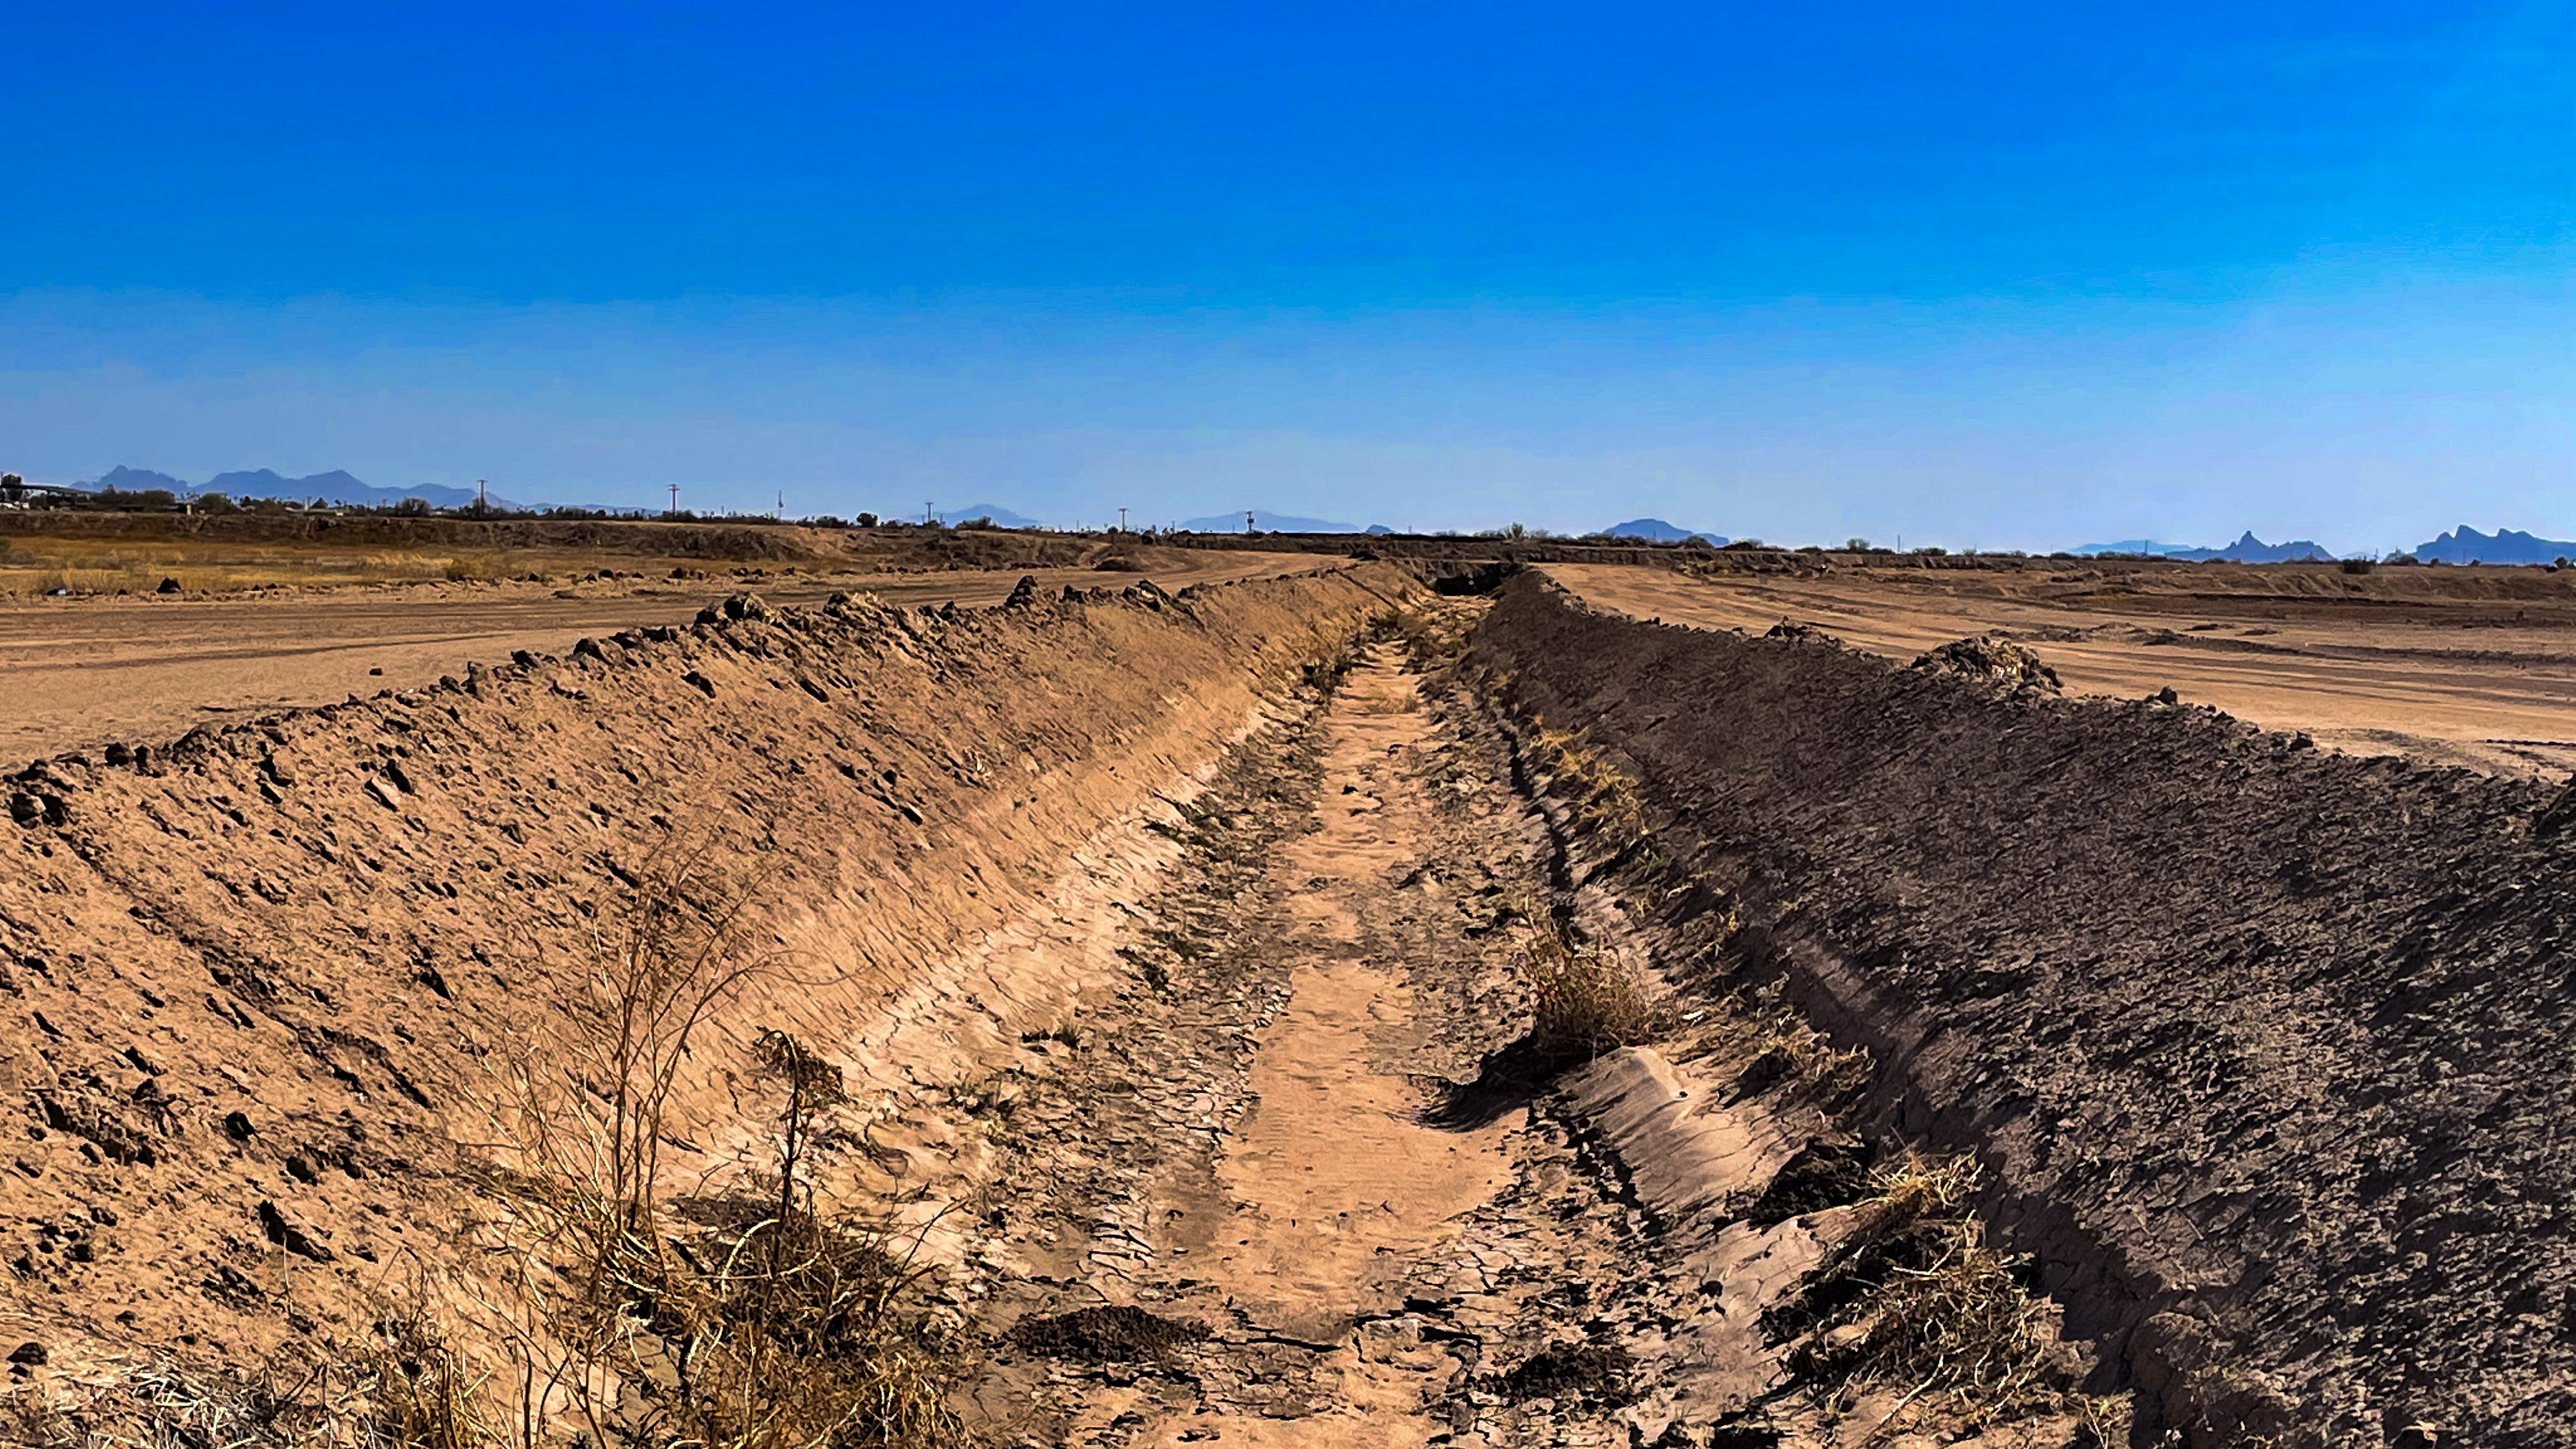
(1916, 1302)
(785, 1327)
(421, 1392)
(1606, 799)
(1584, 1001)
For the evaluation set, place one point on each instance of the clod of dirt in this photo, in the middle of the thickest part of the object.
(290, 1237)
(1998, 660)
(1802, 633)
(168, 586)
(1113, 1333)
(1824, 1174)
(1557, 1373)
(2555, 816)
(1023, 594)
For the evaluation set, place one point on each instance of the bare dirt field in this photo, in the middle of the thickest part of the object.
(1306, 1008)
(88, 670)
(2467, 665)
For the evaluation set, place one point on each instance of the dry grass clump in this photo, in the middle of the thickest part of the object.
(1584, 1001)
(1917, 1303)
(1435, 632)
(1607, 802)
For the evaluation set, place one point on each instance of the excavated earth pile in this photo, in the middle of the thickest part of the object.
(2265, 1049)
(262, 985)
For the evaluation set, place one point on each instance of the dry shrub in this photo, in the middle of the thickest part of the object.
(1607, 802)
(285, 1402)
(781, 1325)
(1914, 1301)
(1585, 1001)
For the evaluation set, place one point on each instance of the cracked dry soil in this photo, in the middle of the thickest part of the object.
(1228, 1211)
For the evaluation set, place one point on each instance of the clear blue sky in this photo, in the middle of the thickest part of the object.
(1983, 275)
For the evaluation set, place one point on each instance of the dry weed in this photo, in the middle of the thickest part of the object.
(780, 1325)
(1606, 798)
(1916, 1302)
(1585, 1001)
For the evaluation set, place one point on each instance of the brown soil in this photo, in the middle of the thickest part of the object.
(1192, 973)
(2263, 1044)
(86, 672)
(2473, 666)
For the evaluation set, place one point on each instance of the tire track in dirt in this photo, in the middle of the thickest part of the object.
(1334, 1175)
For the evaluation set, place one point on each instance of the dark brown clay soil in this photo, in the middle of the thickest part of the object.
(2265, 1048)
(1107, 1333)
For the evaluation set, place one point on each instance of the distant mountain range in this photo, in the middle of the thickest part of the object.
(1269, 522)
(2246, 549)
(335, 486)
(2504, 546)
(1658, 531)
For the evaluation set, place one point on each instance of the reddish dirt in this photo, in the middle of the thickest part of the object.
(2265, 1046)
(87, 672)
(2472, 666)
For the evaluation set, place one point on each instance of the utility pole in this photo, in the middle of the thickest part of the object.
(926, 506)
(1122, 520)
(675, 500)
(479, 504)
(1247, 523)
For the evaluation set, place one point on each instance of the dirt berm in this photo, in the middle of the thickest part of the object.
(2266, 1049)
(254, 985)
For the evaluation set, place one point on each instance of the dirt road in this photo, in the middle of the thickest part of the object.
(85, 672)
(2478, 683)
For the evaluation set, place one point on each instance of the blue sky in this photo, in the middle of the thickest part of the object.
(1993, 276)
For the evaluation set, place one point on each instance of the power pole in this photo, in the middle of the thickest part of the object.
(926, 506)
(1247, 523)
(675, 500)
(479, 504)
(1122, 520)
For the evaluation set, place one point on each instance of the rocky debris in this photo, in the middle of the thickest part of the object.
(1023, 594)
(1997, 661)
(169, 586)
(1798, 633)
(699, 682)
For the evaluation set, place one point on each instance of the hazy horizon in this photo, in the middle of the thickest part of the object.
(1978, 279)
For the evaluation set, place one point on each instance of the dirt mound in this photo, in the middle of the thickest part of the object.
(1998, 661)
(264, 983)
(2263, 1048)
(1112, 1333)
(1555, 1373)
